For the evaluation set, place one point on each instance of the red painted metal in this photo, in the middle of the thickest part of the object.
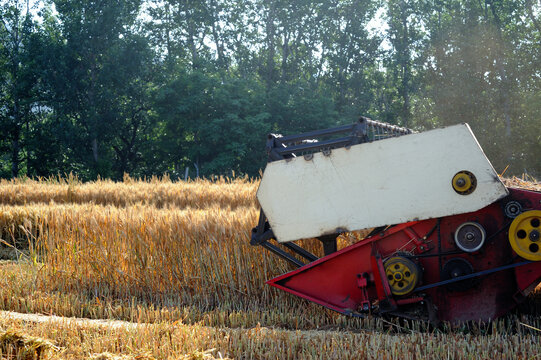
(362, 283)
(333, 281)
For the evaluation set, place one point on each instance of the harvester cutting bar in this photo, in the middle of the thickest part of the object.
(364, 130)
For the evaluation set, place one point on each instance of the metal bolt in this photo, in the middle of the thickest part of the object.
(534, 235)
(460, 182)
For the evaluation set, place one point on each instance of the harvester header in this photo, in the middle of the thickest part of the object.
(449, 241)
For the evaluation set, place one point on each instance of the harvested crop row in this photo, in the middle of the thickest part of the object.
(22, 289)
(173, 341)
(157, 192)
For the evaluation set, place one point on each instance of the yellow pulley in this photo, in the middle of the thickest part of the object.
(402, 273)
(524, 235)
(464, 182)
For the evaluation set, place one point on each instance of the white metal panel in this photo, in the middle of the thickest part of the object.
(384, 182)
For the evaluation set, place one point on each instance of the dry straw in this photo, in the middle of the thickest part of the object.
(180, 341)
(154, 257)
(159, 192)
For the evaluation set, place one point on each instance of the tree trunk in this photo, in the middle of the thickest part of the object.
(405, 72)
(191, 40)
(505, 82)
(16, 132)
(270, 30)
(15, 146)
(196, 164)
(169, 47)
(95, 149)
(285, 55)
(216, 36)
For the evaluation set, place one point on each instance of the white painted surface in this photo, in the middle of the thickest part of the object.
(380, 183)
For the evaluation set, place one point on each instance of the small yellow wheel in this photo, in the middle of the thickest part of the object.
(464, 182)
(525, 233)
(402, 273)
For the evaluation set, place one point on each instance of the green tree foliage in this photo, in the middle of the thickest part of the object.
(211, 125)
(481, 69)
(147, 87)
(18, 78)
(102, 62)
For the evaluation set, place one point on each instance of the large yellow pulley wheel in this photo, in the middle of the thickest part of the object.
(525, 233)
(402, 273)
(464, 182)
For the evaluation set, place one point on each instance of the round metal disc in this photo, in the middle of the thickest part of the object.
(458, 267)
(402, 273)
(525, 235)
(464, 182)
(512, 209)
(470, 236)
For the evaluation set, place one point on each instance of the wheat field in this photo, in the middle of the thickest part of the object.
(176, 256)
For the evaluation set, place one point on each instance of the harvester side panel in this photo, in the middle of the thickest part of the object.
(384, 182)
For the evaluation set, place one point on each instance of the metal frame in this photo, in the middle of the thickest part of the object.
(262, 234)
(364, 130)
(285, 147)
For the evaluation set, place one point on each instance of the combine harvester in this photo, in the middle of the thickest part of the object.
(449, 242)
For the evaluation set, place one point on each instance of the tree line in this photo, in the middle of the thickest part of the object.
(145, 87)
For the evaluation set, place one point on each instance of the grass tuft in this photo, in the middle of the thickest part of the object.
(16, 345)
